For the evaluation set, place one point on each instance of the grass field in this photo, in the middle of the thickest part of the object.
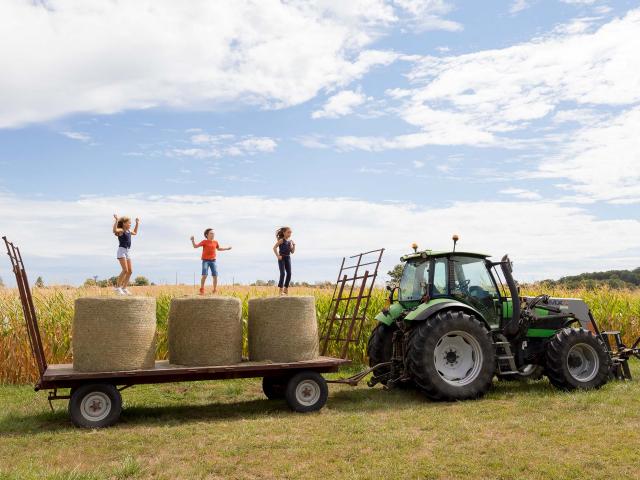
(227, 430)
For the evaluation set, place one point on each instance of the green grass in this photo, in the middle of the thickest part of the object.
(227, 430)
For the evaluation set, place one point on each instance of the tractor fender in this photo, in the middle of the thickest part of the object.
(429, 309)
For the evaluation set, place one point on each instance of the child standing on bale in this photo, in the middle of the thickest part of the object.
(209, 248)
(283, 249)
(122, 230)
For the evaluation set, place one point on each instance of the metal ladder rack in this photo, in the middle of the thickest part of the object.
(350, 301)
(28, 308)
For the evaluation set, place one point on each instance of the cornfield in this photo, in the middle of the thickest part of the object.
(613, 309)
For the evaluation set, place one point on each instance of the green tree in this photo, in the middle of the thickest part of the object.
(141, 281)
(90, 282)
(39, 282)
(396, 274)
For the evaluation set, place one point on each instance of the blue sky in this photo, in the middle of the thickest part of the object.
(363, 124)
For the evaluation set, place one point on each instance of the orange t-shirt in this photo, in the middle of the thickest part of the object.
(209, 248)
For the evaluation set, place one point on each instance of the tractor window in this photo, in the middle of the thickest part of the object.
(414, 281)
(475, 285)
(439, 277)
(472, 278)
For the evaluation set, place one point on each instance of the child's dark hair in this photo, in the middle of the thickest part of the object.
(122, 221)
(280, 232)
(206, 232)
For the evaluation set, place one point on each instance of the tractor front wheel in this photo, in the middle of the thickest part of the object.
(577, 359)
(451, 356)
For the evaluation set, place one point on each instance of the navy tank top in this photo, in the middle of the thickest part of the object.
(285, 247)
(124, 240)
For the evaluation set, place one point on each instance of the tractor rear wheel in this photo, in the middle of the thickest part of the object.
(451, 356)
(577, 359)
(380, 348)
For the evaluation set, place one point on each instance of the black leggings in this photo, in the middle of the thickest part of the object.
(285, 266)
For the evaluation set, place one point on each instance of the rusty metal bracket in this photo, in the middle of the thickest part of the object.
(53, 395)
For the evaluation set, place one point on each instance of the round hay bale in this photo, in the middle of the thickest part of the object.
(114, 334)
(205, 331)
(283, 329)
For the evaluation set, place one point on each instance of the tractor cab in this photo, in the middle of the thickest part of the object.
(430, 278)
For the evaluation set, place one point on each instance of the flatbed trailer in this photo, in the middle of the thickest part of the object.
(94, 397)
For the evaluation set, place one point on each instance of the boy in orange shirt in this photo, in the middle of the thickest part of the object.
(209, 248)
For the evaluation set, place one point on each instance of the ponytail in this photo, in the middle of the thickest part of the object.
(280, 232)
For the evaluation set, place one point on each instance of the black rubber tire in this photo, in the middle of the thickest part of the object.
(536, 374)
(557, 367)
(420, 356)
(274, 387)
(380, 348)
(102, 392)
(315, 381)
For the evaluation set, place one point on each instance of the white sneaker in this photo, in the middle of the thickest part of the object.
(118, 291)
(126, 292)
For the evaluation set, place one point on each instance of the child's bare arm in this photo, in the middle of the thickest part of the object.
(275, 249)
(135, 228)
(293, 246)
(193, 242)
(116, 231)
(224, 248)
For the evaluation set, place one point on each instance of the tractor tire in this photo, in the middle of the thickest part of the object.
(528, 373)
(380, 348)
(451, 356)
(577, 359)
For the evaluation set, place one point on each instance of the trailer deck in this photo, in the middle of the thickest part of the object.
(64, 376)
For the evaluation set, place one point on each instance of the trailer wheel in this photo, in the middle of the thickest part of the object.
(274, 387)
(577, 359)
(95, 406)
(306, 392)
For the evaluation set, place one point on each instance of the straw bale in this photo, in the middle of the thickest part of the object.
(205, 331)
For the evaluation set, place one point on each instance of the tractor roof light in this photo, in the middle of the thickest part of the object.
(414, 245)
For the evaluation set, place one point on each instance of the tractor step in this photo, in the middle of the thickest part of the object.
(504, 356)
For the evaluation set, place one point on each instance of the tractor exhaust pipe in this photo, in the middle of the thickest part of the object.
(512, 327)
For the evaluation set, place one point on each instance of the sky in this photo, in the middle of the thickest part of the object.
(361, 124)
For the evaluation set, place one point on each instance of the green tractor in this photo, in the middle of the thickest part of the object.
(451, 325)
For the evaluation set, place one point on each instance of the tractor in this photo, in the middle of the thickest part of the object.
(456, 320)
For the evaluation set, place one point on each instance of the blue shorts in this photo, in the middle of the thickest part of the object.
(209, 265)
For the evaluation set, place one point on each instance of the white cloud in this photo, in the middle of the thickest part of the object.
(579, 2)
(521, 193)
(340, 104)
(82, 137)
(499, 91)
(427, 14)
(529, 96)
(518, 5)
(205, 145)
(601, 161)
(63, 57)
(418, 163)
(247, 223)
